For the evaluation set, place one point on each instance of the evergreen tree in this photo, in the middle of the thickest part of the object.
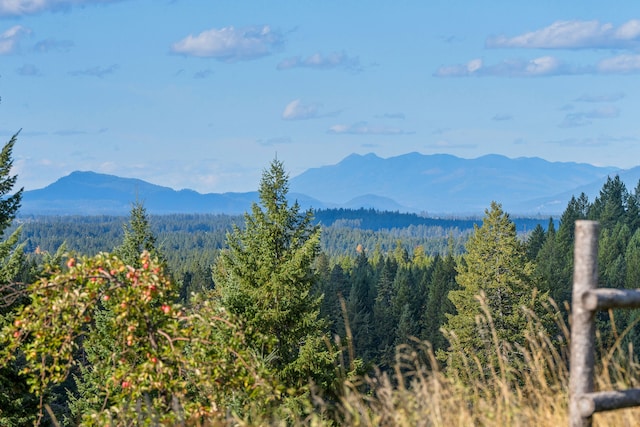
(266, 277)
(611, 204)
(561, 283)
(138, 237)
(336, 292)
(360, 307)
(443, 281)
(17, 405)
(535, 241)
(384, 317)
(549, 264)
(409, 298)
(632, 281)
(633, 209)
(495, 265)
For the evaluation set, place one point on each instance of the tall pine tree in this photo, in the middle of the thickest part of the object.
(266, 278)
(495, 265)
(17, 405)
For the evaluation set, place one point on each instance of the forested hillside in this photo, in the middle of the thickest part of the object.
(295, 316)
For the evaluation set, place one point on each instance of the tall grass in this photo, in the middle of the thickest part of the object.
(528, 390)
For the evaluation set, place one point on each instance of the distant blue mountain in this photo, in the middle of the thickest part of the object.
(90, 193)
(443, 183)
(436, 184)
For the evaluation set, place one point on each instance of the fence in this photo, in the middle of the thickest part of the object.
(587, 300)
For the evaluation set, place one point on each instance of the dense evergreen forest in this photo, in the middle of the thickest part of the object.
(190, 243)
(205, 319)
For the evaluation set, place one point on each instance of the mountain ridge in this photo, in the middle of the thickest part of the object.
(412, 182)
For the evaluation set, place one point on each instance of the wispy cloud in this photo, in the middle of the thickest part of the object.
(610, 97)
(621, 64)
(322, 62)
(202, 74)
(29, 70)
(49, 45)
(296, 110)
(538, 67)
(30, 7)
(278, 140)
(97, 71)
(574, 35)
(230, 44)
(395, 116)
(10, 39)
(69, 132)
(544, 66)
(585, 118)
(445, 145)
(363, 128)
(589, 142)
(502, 117)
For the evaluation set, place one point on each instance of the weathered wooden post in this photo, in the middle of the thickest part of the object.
(585, 278)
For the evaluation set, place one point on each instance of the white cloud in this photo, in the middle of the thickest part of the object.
(621, 64)
(363, 128)
(542, 66)
(474, 65)
(296, 110)
(322, 62)
(10, 38)
(574, 35)
(230, 44)
(30, 7)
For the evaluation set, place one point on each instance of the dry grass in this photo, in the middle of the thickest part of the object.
(531, 392)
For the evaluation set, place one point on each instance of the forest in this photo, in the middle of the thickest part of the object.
(292, 317)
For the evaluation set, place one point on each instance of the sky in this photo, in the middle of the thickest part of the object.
(204, 94)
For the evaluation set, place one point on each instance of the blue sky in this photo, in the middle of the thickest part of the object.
(203, 94)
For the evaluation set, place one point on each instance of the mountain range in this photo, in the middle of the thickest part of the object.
(437, 184)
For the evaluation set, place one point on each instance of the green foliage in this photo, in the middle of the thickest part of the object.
(101, 340)
(495, 273)
(17, 405)
(167, 364)
(438, 304)
(266, 278)
(138, 237)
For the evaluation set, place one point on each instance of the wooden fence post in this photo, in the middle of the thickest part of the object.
(585, 278)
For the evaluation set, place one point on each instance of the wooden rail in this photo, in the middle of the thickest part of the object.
(587, 300)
